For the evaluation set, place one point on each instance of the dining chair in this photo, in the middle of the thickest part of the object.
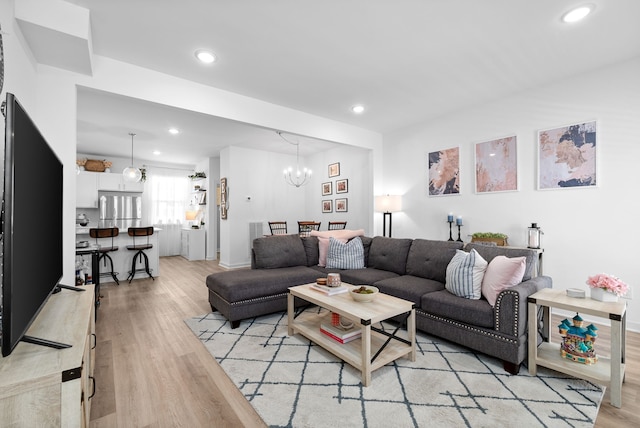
(337, 225)
(305, 227)
(278, 227)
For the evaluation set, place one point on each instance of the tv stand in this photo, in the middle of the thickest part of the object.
(42, 386)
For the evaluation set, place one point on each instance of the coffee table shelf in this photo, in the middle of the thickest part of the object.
(358, 352)
(606, 371)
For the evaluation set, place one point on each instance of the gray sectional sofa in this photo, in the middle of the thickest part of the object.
(412, 269)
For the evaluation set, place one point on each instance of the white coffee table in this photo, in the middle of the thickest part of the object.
(358, 353)
(607, 371)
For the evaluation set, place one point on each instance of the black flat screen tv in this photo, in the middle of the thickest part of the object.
(32, 262)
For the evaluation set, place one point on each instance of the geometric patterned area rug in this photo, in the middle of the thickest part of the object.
(292, 382)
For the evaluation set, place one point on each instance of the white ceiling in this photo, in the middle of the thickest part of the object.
(406, 60)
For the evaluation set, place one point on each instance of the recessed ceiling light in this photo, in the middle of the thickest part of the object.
(577, 14)
(205, 56)
(174, 131)
(357, 109)
(157, 153)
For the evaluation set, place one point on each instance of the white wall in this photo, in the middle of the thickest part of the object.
(587, 231)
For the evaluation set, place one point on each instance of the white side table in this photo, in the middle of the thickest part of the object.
(607, 371)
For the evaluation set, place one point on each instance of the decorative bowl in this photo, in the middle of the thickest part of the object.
(363, 293)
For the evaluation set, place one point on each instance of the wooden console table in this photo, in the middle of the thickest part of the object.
(607, 371)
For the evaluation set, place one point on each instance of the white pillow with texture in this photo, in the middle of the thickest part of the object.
(345, 256)
(502, 273)
(464, 274)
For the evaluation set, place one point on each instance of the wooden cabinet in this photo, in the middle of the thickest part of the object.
(87, 190)
(41, 386)
(115, 182)
(193, 244)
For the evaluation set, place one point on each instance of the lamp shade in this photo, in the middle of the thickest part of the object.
(388, 203)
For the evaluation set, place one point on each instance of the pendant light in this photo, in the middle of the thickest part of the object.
(132, 174)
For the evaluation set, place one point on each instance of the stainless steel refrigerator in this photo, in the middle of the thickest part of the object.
(120, 209)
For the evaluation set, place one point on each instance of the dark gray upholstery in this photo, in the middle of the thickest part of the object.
(279, 251)
(413, 270)
(429, 259)
(409, 287)
(469, 311)
(389, 254)
(252, 283)
(310, 244)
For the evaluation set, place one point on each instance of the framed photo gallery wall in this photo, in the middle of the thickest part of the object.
(567, 157)
(339, 186)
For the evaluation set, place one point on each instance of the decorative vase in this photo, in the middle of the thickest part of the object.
(603, 295)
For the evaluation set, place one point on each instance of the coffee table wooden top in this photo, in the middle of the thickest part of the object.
(381, 308)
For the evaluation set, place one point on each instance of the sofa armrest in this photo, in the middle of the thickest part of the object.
(510, 310)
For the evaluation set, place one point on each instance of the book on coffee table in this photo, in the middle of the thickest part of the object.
(339, 334)
(330, 290)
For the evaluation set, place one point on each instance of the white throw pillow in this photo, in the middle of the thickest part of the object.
(464, 274)
(345, 256)
(502, 273)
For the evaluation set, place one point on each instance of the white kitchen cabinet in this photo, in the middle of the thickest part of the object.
(87, 189)
(43, 387)
(193, 244)
(115, 182)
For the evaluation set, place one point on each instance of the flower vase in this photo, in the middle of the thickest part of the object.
(603, 295)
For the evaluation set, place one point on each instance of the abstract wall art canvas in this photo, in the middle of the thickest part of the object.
(444, 172)
(567, 156)
(497, 165)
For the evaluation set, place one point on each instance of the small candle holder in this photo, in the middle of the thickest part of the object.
(459, 238)
(450, 229)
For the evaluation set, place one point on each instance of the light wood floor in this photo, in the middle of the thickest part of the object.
(151, 371)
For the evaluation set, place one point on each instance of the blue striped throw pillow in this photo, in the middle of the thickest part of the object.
(345, 256)
(464, 274)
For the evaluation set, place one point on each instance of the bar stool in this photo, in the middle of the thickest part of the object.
(139, 248)
(103, 233)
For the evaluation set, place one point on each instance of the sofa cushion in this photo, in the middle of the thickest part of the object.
(464, 274)
(310, 244)
(409, 287)
(446, 305)
(345, 256)
(429, 259)
(489, 252)
(502, 273)
(366, 276)
(244, 284)
(389, 254)
(278, 251)
(366, 243)
(323, 240)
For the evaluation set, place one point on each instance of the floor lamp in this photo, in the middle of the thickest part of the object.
(387, 204)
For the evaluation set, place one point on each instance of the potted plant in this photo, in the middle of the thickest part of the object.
(500, 239)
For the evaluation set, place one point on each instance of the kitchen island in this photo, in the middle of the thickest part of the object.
(123, 258)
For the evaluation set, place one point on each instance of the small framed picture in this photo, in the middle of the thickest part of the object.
(327, 188)
(342, 205)
(334, 169)
(342, 186)
(327, 206)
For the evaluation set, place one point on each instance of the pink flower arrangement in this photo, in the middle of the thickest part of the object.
(610, 283)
